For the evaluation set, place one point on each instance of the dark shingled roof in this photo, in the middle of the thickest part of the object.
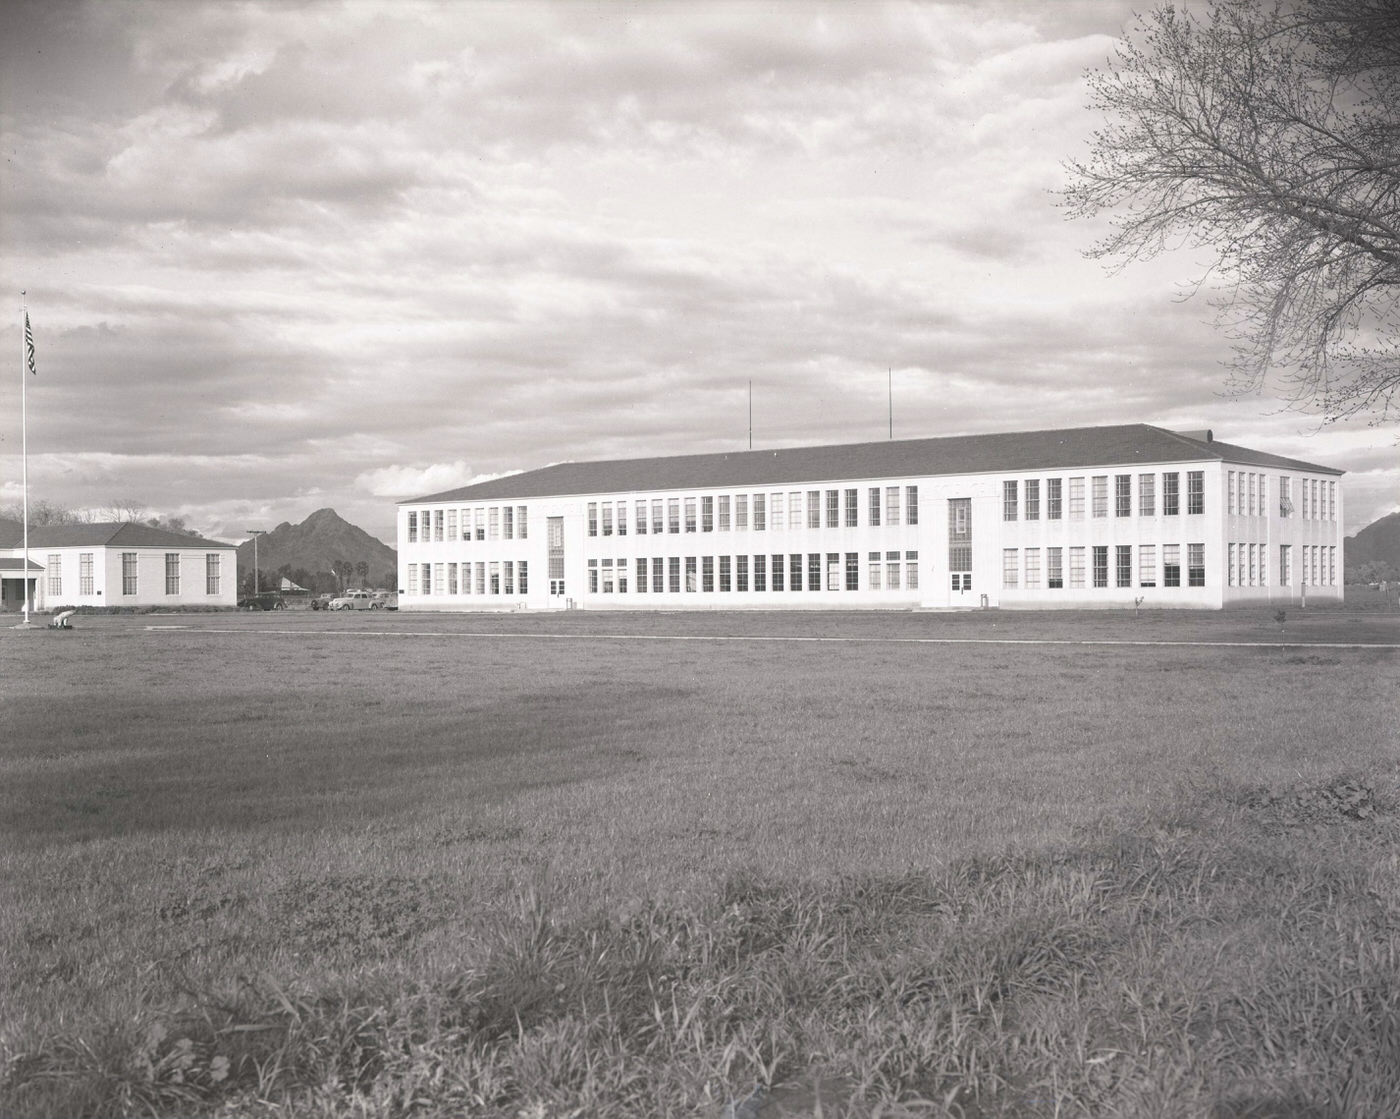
(113, 534)
(1062, 449)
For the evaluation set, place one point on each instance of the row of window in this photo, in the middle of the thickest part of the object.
(1247, 495)
(495, 577)
(487, 522)
(130, 573)
(759, 512)
(795, 571)
(1247, 565)
(1022, 499)
(1102, 566)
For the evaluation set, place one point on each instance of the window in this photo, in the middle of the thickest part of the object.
(1100, 495)
(892, 571)
(1147, 565)
(874, 506)
(741, 573)
(85, 573)
(775, 511)
(521, 570)
(480, 576)
(1263, 495)
(641, 581)
(1009, 501)
(1229, 565)
(172, 572)
(621, 519)
(55, 573)
(128, 573)
(592, 576)
(451, 578)
(795, 571)
(658, 520)
(673, 514)
(1032, 568)
(673, 574)
(1053, 502)
(814, 571)
(759, 517)
(607, 519)
(412, 527)
(814, 508)
(1253, 565)
(911, 571)
(1124, 565)
(520, 526)
(1285, 566)
(691, 583)
(1147, 495)
(1239, 494)
(1010, 568)
(690, 521)
(1054, 568)
(873, 577)
(412, 578)
(852, 508)
(1032, 499)
(592, 518)
(1263, 565)
(741, 512)
(911, 505)
(707, 514)
(723, 511)
(760, 573)
(1076, 567)
(892, 505)
(1171, 495)
(1332, 565)
(639, 521)
(834, 580)
(508, 522)
(1171, 564)
(794, 502)
(725, 575)
(1101, 563)
(959, 534)
(658, 575)
(1076, 499)
(1253, 496)
(707, 574)
(777, 572)
(1230, 493)
(508, 583)
(833, 508)
(1123, 495)
(1331, 501)
(427, 570)
(853, 571)
(480, 519)
(437, 524)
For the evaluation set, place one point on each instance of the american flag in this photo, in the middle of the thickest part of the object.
(29, 345)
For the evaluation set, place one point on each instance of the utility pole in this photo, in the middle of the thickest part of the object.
(255, 533)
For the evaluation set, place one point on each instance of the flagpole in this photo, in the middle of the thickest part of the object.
(24, 441)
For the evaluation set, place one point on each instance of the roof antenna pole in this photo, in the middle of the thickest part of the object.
(889, 376)
(751, 415)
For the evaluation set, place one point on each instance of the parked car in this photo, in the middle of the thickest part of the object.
(321, 601)
(265, 600)
(353, 600)
(385, 600)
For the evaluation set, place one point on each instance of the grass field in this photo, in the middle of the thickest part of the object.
(513, 865)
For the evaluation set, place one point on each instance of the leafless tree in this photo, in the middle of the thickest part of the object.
(1268, 135)
(45, 513)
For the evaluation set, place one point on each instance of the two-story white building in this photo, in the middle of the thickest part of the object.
(1084, 517)
(114, 564)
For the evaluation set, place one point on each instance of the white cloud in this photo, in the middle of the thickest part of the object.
(410, 481)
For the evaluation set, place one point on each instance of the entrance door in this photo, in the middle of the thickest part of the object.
(960, 551)
(555, 530)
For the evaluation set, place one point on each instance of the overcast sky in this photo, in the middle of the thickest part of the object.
(287, 256)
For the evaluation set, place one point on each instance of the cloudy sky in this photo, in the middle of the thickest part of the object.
(281, 256)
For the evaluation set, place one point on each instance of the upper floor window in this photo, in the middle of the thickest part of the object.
(1196, 492)
(1032, 499)
(1147, 495)
(1100, 495)
(1054, 505)
(1009, 501)
(1171, 496)
(1123, 495)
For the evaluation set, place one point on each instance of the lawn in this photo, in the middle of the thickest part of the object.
(504, 864)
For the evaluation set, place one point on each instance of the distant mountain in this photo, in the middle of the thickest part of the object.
(1377, 543)
(315, 544)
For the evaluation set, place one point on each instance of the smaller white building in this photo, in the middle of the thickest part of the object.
(114, 564)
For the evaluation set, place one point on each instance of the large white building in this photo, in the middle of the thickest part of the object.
(1085, 517)
(114, 564)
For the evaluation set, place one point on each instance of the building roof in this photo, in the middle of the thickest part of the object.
(1061, 449)
(15, 564)
(112, 534)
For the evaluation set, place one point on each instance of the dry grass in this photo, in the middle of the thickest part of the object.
(315, 874)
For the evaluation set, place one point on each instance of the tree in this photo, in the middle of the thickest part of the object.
(362, 572)
(1269, 136)
(45, 513)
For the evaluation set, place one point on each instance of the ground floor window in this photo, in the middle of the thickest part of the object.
(853, 569)
(875, 572)
(691, 580)
(814, 571)
(1171, 565)
(55, 573)
(673, 571)
(1054, 568)
(1125, 565)
(1076, 568)
(1010, 568)
(211, 574)
(1147, 565)
(658, 575)
(128, 573)
(760, 573)
(1196, 564)
(1033, 568)
(1100, 565)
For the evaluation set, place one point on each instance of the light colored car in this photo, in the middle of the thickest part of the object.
(354, 600)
